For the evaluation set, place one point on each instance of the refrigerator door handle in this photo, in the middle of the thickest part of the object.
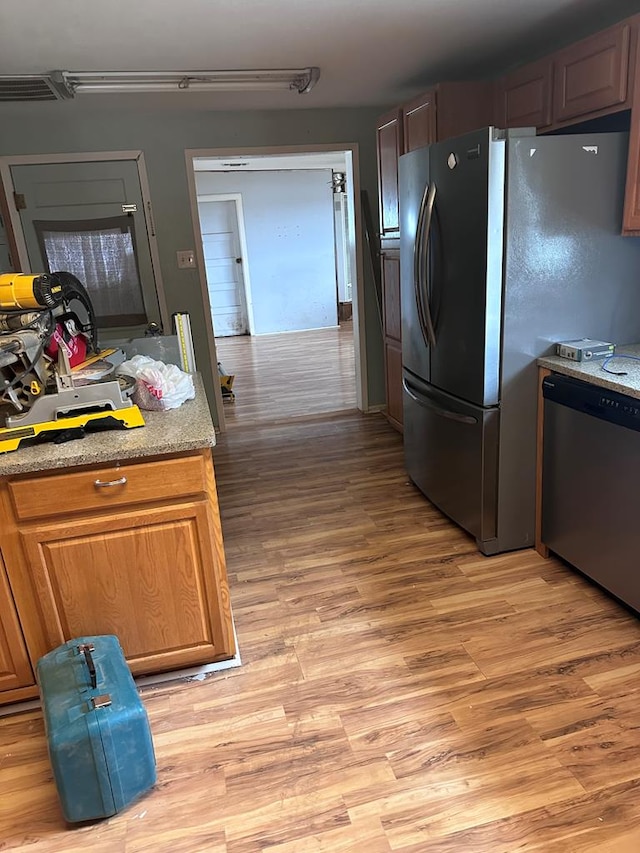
(417, 259)
(438, 410)
(424, 285)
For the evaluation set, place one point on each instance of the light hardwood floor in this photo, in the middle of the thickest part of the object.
(399, 692)
(289, 375)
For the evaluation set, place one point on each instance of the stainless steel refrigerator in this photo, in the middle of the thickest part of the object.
(509, 243)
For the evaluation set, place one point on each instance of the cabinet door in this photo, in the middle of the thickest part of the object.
(150, 576)
(419, 121)
(524, 96)
(392, 335)
(463, 107)
(631, 217)
(15, 669)
(391, 295)
(592, 75)
(393, 364)
(390, 147)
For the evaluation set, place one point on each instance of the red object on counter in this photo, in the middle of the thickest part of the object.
(75, 345)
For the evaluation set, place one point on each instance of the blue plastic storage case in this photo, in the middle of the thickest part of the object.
(97, 728)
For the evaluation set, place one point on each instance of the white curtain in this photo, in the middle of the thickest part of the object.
(103, 259)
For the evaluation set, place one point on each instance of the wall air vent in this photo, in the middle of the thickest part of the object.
(33, 87)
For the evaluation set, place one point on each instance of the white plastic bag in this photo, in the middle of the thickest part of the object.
(159, 386)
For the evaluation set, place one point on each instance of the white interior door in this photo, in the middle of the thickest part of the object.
(223, 265)
(88, 219)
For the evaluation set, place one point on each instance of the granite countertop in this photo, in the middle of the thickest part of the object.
(591, 371)
(178, 430)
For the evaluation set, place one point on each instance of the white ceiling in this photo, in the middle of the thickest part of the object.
(334, 160)
(370, 52)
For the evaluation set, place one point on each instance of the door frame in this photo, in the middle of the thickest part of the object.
(242, 237)
(15, 223)
(351, 150)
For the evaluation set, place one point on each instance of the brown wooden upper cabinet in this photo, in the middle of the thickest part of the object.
(631, 217)
(523, 97)
(419, 118)
(389, 139)
(449, 109)
(462, 107)
(592, 75)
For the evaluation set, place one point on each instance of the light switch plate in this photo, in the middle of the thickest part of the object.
(186, 259)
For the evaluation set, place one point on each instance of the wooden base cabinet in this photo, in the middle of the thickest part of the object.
(151, 571)
(393, 379)
(15, 668)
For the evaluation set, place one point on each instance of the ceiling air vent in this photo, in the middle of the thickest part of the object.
(32, 87)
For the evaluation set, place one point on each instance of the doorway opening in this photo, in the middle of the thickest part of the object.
(280, 270)
(88, 214)
(224, 245)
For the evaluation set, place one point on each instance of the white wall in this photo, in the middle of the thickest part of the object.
(289, 230)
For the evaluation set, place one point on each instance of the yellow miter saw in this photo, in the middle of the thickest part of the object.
(48, 341)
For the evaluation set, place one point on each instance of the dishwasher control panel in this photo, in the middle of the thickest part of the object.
(622, 403)
(592, 400)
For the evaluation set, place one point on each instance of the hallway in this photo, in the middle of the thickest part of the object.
(293, 374)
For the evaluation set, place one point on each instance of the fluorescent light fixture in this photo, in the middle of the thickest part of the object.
(301, 80)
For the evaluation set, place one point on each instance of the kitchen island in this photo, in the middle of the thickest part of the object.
(116, 533)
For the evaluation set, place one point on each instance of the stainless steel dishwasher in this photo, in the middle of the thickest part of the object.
(591, 481)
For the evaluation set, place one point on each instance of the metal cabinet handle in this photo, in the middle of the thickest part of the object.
(99, 484)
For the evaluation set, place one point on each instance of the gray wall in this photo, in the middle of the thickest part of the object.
(163, 136)
(288, 219)
(4, 251)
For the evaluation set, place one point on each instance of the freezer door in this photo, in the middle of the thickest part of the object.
(468, 174)
(451, 452)
(413, 177)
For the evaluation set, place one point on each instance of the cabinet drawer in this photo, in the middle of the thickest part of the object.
(103, 488)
